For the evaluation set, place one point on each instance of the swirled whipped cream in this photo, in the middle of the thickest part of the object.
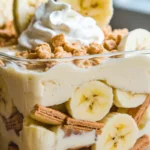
(54, 18)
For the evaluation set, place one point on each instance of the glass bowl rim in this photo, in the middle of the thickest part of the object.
(110, 54)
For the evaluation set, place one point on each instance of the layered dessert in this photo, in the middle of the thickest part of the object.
(72, 83)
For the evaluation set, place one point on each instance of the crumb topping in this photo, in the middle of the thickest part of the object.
(95, 48)
(8, 35)
(58, 40)
(43, 51)
(110, 44)
(59, 48)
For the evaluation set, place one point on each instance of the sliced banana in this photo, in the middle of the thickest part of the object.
(91, 101)
(128, 100)
(73, 140)
(100, 10)
(119, 133)
(23, 10)
(35, 137)
(144, 125)
(138, 39)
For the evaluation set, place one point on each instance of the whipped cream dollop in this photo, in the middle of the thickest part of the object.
(54, 18)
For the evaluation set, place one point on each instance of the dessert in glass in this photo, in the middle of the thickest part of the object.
(71, 83)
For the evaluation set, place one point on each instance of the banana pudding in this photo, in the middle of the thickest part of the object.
(74, 83)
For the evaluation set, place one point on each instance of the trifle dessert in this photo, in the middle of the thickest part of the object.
(72, 83)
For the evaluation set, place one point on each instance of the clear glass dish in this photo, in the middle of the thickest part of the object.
(51, 82)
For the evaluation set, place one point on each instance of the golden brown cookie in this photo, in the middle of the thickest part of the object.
(82, 125)
(138, 112)
(47, 115)
(142, 143)
(15, 122)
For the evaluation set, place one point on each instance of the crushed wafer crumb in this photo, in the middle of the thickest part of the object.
(23, 54)
(81, 63)
(32, 56)
(72, 47)
(110, 45)
(50, 65)
(58, 49)
(95, 61)
(81, 52)
(115, 35)
(107, 31)
(62, 54)
(118, 34)
(8, 30)
(8, 35)
(35, 66)
(95, 48)
(43, 51)
(1, 63)
(122, 32)
(58, 40)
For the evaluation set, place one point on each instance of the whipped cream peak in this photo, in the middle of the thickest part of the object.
(55, 18)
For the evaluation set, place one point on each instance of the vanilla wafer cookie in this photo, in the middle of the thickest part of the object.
(142, 143)
(82, 125)
(47, 115)
(138, 112)
(15, 122)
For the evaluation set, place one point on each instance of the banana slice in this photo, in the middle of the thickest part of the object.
(100, 10)
(144, 125)
(23, 10)
(91, 101)
(128, 100)
(119, 133)
(35, 137)
(138, 39)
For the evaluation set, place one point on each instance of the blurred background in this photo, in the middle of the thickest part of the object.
(131, 14)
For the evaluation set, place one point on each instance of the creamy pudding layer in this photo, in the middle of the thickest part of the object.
(48, 89)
